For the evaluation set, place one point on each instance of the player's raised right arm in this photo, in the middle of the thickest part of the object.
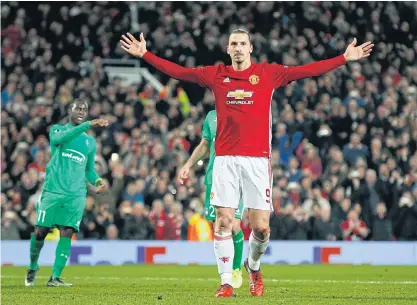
(199, 152)
(59, 135)
(138, 48)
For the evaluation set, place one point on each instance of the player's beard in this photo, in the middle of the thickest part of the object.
(238, 58)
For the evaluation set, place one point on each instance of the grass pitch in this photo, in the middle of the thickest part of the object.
(178, 285)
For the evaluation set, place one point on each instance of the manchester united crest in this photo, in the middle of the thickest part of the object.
(254, 79)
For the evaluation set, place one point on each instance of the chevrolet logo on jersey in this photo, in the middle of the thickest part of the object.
(239, 94)
(239, 97)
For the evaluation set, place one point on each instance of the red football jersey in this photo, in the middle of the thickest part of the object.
(243, 98)
(243, 106)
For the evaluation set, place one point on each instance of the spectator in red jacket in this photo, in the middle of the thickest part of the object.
(312, 162)
(158, 218)
(353, 228)
(173, 223)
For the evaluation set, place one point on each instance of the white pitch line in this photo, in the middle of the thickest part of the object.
(115, 278)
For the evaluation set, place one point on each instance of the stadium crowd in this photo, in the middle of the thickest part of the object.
(344, 144)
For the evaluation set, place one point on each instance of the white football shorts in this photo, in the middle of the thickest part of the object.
(243, 178)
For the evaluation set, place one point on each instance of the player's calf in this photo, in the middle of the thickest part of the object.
(223, 244)
(62, 253)
(258, 243)
(238, 240)
(36, 243)
(259, 238)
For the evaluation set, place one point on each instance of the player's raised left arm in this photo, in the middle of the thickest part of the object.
(352, 53)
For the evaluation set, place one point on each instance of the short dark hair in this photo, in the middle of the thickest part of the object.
(242, 31)
(77, 101)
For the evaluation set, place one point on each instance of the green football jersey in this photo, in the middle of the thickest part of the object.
(209, 133)
(72, 160)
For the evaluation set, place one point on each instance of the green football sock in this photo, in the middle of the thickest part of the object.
(61, 256)
(35, 250)
(238, 245)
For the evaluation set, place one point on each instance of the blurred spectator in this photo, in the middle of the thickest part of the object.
(199, 229)
(173, 223)
(297, 224)
(404, 217)
(341, 210)
(158, 218)
(324, 227)
(112, 233)
(138, 226)
(89, 227)
(382, 225)
(295, 174)
(315, 202)
(374, 191)
(354, 229)
(354, 150)
(10, 226)
(310, 161)
(286, 143)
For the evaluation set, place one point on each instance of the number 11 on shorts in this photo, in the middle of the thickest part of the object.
(41, 216)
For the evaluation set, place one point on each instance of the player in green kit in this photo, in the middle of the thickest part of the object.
(64, 192)
(206, 144)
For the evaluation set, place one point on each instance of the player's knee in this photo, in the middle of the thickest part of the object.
(236, 226)
(224, 219)
(261, 231)
(66, 232)
(40, 233)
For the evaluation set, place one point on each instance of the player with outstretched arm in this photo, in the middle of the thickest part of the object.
(64, 192)
(242, 168)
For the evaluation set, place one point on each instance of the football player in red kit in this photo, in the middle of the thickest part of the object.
(242, 168)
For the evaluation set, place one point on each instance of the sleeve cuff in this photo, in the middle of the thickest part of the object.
(147, 55)
(86, 125)
(97, 181)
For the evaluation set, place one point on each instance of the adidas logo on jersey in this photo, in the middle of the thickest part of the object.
(226, 80)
